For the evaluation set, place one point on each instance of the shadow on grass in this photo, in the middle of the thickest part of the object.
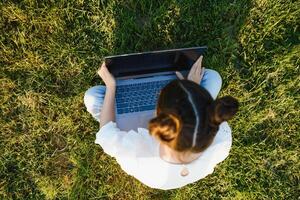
(152, 25)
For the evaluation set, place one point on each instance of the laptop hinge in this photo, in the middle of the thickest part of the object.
(146, 75)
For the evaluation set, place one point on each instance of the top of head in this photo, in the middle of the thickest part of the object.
(187, 116)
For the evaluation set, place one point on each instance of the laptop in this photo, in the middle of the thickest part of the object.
(141, 76)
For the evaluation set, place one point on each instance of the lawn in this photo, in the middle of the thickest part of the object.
(49, 54)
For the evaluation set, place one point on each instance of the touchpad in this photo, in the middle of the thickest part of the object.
(133, 121)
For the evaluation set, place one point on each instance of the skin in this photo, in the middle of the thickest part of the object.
(170, 155)
(108, 109)
(196, 73)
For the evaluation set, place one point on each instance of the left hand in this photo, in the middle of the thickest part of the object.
(106, 76)
(196, 73)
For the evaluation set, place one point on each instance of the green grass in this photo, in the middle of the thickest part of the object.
(49, 53)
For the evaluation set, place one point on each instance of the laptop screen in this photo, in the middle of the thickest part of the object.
(153, 62)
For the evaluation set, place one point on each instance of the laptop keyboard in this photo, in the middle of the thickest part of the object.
(138, 97)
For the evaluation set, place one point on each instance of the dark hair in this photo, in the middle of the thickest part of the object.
(187, 116)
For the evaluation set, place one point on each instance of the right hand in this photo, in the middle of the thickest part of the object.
(106, 76)
(196, 73)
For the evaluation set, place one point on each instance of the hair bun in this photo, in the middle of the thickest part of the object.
(165, 126)
(224, 109)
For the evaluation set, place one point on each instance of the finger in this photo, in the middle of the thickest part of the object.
(199, 65)
(192, 71)
(199, 60)
(195, 65)
(193, 68)
(198, 70)
(202, 73)
(179, 75)
(101, 67)
(104, 69)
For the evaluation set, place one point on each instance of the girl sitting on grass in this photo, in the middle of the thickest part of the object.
(188, 137)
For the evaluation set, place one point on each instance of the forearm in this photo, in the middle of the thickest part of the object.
(108, 107)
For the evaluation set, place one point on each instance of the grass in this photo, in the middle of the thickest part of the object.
(49, 53)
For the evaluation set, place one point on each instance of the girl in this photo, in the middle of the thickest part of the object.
(188, 137)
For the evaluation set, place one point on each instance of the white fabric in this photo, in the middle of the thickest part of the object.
(138, 155)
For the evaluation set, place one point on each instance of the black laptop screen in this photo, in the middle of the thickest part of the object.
(153, 62)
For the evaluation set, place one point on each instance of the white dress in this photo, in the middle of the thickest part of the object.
(138, 154)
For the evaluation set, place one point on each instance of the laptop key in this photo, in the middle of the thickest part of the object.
(122, 105)
(143, 108)
(152, 107)
(138, 97)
